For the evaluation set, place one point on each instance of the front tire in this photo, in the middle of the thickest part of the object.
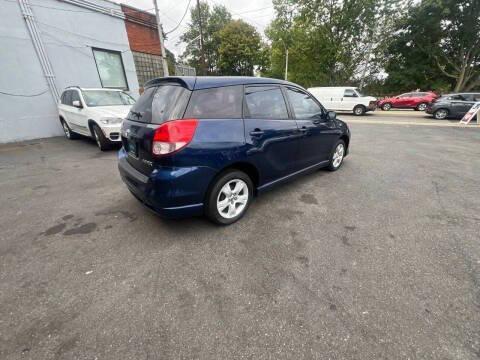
(102, 142)
(359, 110)
(337, 156)
(229, 197)
(440, 114)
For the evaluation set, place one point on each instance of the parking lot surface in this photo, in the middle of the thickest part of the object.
(380, 259)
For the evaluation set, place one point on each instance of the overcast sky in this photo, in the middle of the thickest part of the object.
(258, 13)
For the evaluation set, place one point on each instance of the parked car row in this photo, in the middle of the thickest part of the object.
(352, 100)
(208, 145)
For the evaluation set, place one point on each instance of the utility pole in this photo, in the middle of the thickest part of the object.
(202, 53)
(160, 36)
(286, 63)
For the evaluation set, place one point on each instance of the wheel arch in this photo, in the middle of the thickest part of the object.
(91, 123)
(246, 167)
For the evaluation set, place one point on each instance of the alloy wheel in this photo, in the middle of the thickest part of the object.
(441, 114)
(232, 198)
(386, 107)
(66, 130)
(338, 155)
(422, 107)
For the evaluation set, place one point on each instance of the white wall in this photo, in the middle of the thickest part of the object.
(68, 36)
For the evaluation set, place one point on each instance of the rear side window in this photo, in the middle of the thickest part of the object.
(265, 102)
(476, 97)
(217, 103)
(456, 97)
(160, 104)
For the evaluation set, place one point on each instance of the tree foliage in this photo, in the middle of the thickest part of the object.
(213, 20)
(329, 41)
(436, 46)
(239, 49)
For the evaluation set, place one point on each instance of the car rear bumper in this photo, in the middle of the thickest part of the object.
(171, 192)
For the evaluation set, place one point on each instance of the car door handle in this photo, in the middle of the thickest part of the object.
(256, 132)
(316, 122)
(303, 129)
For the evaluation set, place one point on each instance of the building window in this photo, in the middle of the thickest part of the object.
(148, 66)
(110, 69)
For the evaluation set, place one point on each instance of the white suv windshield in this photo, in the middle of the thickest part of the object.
(106, 98)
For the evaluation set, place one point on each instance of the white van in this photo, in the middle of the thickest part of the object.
(344, 99)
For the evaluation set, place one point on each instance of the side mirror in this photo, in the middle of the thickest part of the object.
(77, 104)
(331, 115)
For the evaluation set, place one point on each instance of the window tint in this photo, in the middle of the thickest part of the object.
(265, 102)
(350, 93)
(456, 97)
(468, 97)
(405, 95)
(110, 68)
(476, 97)
(169, 103)
(159, 104)
(142, 109)
(303, 105)
(217, 103)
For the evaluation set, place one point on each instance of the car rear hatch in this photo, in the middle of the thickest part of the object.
(163, 100)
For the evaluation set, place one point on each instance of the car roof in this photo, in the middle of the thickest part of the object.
(206, 82)
(99, 89)
(334, 87)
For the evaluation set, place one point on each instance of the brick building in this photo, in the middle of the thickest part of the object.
(144, 42)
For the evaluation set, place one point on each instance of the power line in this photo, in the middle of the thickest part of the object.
(180, 22)
(22, 95)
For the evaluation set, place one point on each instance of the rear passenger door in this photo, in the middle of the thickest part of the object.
(270, 132)
(317, 133)
(77, 115)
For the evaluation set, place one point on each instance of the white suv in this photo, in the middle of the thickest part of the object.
(96, 113)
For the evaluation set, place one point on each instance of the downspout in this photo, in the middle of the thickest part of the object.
(39, 47)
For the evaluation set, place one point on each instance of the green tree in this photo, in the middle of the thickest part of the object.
(329, 42)
(239, 50)
(213, 20)
(437, 46)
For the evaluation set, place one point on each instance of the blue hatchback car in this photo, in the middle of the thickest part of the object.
(208, 145)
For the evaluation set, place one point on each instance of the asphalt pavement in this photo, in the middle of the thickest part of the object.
(379, 260)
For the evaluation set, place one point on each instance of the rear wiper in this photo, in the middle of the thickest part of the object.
(136, 113)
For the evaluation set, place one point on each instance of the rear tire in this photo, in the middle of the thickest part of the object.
(386, 106)
(337, 156)
(69, 134)
(359, 110)
(102, 142)
(421, 107)
(229, 197)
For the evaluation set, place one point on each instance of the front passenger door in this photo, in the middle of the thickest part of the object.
(318, 134)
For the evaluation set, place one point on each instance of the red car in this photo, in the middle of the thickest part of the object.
(413, 100)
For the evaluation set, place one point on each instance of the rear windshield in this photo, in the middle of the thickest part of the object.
(160, 104)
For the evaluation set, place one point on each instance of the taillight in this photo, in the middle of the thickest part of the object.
(173, 135)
